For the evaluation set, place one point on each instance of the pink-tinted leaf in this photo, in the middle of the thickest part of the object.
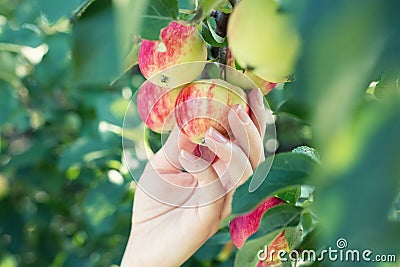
(245, 225)
(272, 259)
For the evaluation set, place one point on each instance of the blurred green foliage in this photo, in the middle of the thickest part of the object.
(65, 194)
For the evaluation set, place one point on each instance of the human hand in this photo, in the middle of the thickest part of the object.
(176, 211)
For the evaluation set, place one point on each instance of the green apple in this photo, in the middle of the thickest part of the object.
(264, 39)
(263, 85)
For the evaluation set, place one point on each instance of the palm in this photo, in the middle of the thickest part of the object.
(179, 225)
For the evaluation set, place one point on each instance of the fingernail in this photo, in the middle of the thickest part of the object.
(260, 98)
(186, 155)
(245, 119)
(217, 136)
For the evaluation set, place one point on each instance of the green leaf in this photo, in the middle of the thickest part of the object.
(8, 65)
(158, 15)
(8, 260)
(276, 218)
(155, 140)
(388, 85)
(276, 98)
(312, 241)
(356, 195)
(58, 57)
(211, 26)
(95, 45)
(209, 38)
(308, 222)
(287, 170)
(291, 195)
(8, 102)
(132, 57)
(330, 67)
(22, 36)
(100, 206)
(291, 131)
(87, 150)
(111, 108)
(129, 20)
(247, 255)
(213, 246)
(187, 4)
(205, 7)
(308, 151)
(397, 208)
(294, 236)
(54, 10)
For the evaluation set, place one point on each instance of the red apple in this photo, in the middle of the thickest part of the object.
(179, 43)
(243, 226)
(204, 104)
(155, 106)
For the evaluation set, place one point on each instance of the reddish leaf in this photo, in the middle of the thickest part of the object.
(245, 225)
(280, 243)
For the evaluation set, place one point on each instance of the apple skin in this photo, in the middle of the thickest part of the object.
(243, 226)
(204, 104)
(264, 85)
(179, 43)
(263, 39)
(155, 106)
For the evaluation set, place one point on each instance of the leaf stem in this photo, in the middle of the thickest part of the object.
(10, 47)
(187, 11)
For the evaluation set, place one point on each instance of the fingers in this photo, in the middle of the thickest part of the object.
(167, 157)
(227, 208)
(198, 167)
(236, 167)
(259, 114)
(209, 192)
(246, 135)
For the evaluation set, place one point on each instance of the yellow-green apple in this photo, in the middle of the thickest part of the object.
(206, 103)
(263, 85)
(264, 39)
(178, 43)
(155, 106)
